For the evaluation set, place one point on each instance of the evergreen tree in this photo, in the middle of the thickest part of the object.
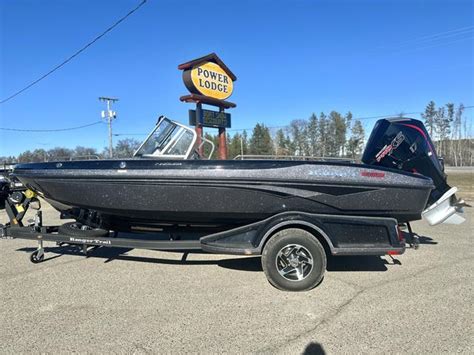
(298, 132)
(348, 123)
(429, 117)
(340, 133)
(456, 136)
(207, 147)
(348, 119)
(313, 135)
(323, 134)
(234, 145)
(457, 122)
(290, 144)
(282, 143)
(245, 142)
(439, 123)
(231, 149)
(449, 119)
(25, 157)
(445, 128)
(336, 134)
(331, 137)
(356, 141)
(261, 141)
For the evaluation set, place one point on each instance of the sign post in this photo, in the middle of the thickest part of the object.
(222, 141)
(198, 125)
(209, 82)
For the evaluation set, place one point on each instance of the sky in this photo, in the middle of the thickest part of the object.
(291, 58)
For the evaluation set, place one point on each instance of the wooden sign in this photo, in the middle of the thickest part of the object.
(209, 79)
(210, 82)
(208, 76)
(210, 118)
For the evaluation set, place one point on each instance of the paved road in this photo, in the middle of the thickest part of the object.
(148, 301)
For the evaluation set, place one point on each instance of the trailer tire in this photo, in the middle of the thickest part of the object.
(294, 260)
(76, 229)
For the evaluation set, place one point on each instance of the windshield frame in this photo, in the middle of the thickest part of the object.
(175, 137)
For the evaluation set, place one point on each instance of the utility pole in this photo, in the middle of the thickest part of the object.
(109, 115)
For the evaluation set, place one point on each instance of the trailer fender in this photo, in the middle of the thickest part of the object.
(312, 228)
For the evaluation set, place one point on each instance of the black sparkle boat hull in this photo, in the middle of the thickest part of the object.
(143, 192)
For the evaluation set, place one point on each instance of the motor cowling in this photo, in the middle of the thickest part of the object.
(404, 143)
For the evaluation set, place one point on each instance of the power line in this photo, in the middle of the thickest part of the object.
(75, 54)
(354, 118)
(437, 36)
(383, 116)
(230, 130)
(50, 130)
(429, 41)
(434, 45)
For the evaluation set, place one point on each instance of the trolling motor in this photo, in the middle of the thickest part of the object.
(404, 143)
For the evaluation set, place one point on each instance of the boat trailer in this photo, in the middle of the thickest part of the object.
(235, 240)
(17, 204)
(299, 252)
(42, 234)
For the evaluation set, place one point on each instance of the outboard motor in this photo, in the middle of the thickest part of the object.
(404, 143)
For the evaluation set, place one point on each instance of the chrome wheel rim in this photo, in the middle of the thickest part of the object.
(294, 262)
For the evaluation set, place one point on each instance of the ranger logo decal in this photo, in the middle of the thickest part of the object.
(389, 148)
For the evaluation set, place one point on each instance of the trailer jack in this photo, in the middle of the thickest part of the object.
(38, 255)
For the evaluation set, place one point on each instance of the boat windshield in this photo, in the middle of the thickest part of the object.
(158, 138)
(169, 140)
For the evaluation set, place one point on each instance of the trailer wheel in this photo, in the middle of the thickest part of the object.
(76, 229)
(294, 260)
(36, 257)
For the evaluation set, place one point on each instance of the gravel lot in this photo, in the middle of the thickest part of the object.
(148, 301)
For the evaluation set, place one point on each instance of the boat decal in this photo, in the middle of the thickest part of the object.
(389, 148)
(374, 174)
(169, 164)
(89, 241)
(422, 133)
(325, 173)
